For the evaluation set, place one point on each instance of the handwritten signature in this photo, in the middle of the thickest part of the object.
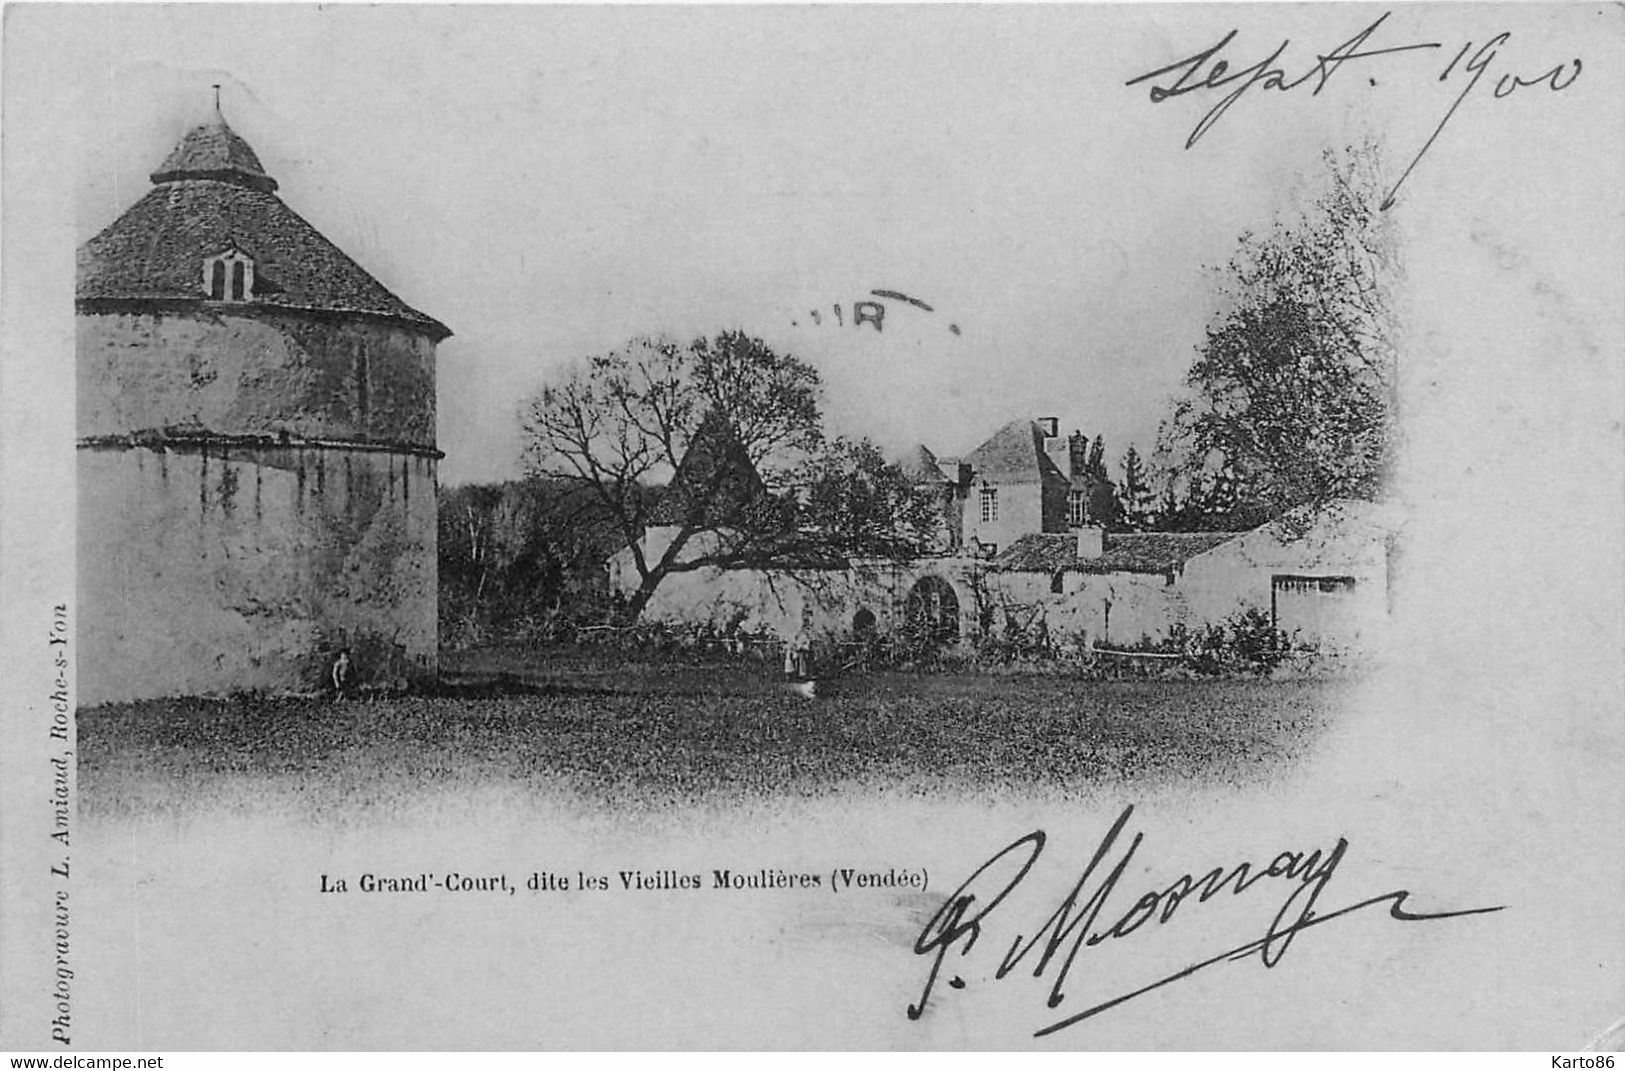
(1207, 72)
(1072, 928)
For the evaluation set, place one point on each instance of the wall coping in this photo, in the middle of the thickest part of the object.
(189, 440)
(161, 304)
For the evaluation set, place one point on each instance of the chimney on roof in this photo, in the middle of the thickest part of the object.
(1077, 454)
(1091, 542)
(1054, 446)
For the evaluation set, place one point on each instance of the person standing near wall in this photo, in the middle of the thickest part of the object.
(341, 673)
(798, 657)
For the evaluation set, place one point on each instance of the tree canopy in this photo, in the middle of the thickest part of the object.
(520, 560)
(865, 506)
(1135, 501)
(1292, 393)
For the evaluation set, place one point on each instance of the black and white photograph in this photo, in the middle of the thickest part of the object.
(813, 527)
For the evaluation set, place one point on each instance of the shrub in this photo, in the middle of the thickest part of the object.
(1246, 642)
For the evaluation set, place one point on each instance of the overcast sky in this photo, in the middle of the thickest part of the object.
(552, 181)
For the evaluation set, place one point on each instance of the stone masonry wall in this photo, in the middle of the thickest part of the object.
(205, 570)
(254, 372)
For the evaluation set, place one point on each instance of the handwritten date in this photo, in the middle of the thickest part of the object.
(1210, 71)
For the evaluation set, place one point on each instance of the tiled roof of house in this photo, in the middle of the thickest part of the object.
(1132, 552)
(212, 195)
(1013, 454)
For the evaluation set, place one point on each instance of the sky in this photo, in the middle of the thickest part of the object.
(551, 182)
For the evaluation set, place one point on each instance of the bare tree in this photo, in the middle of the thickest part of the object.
(733, 431)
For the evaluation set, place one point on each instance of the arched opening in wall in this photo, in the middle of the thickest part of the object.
(864, 624)
(933, 609)
(1057, 583)
(228, 276)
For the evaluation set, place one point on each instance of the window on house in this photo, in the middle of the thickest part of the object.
(990, 505)
(238, 273)
(1308, 585)
(1077, 508)
(217, 281)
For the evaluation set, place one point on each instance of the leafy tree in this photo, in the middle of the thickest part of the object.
(1096, 465)
(519, 559)
(1292, 392)
(1206, 500)
(864, 506)
(1135, 499)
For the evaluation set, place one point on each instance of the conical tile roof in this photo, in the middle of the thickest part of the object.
(212, 195)
(215, 151)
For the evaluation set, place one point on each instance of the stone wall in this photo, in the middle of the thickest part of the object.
(1114, 609)
(209, 570)
(1345, 549)
(254, 371)
(754, 599)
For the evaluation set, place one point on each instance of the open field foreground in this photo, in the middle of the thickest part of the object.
(647, 734)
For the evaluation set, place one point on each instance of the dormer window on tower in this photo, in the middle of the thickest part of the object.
(229, 276)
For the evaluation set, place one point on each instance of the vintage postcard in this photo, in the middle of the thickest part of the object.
(813, 527)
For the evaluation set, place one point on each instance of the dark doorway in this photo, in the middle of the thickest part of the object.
(933, 609)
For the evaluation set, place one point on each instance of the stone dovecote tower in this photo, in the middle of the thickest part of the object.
(256, 446)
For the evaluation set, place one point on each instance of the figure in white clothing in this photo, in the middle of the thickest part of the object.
(341, 674)
(798, 659)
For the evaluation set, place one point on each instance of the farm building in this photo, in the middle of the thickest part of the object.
(1019, 551)
(1322, 576)
(256, 445)
(1113, 588)
(1325, 575)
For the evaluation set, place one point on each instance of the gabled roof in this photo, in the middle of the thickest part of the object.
(922, 466)
(1013, 454)
(1130, 552)
(715, 483)
(211, 195)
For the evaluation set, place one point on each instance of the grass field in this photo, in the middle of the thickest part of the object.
(610, 732)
